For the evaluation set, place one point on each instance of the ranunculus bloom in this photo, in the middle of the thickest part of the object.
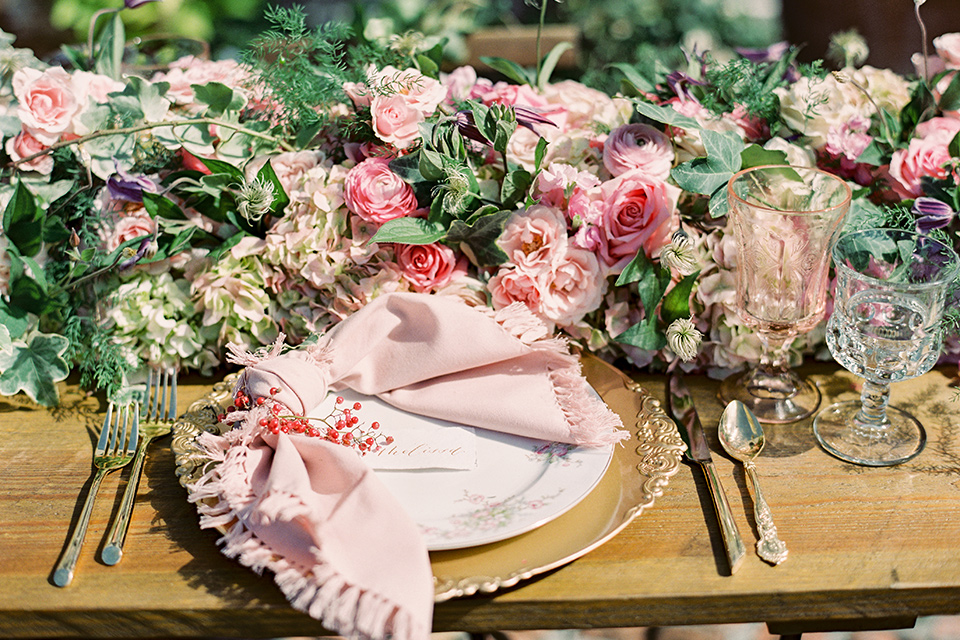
(376, 194)
(574, 286)
(24, 145)
(532, 238)
(426, 267)
(638, 213)
(394, 121)
(641, 147)
(47, 102)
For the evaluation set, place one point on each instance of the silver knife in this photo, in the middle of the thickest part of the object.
(685, 413)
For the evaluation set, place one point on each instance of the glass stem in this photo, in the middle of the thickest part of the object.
(871, 420)
(772, 378)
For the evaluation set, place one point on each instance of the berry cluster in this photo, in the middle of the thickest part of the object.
(341, 425)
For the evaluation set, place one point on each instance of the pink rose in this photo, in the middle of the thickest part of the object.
(24, 145)
(358, 93)
(942, 129)
(641, 147)
(638, 213)
(377, 194)
(532, 238)
(128, 227)
(573, 287)
(948, 48)
(47, 102)
(923, 157)
(426, 267)
(559, 181)
(459, 82)
(513, 285)
(95, 86)
(394, 121)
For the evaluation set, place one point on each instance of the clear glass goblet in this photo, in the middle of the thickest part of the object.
(786, 220)
(885, 327)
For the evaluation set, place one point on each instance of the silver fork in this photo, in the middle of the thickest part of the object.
(115, 448)
(160, 405)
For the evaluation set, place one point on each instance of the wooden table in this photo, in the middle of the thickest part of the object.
(868, 547)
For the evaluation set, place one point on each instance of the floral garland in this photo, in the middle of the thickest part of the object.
(160, 219)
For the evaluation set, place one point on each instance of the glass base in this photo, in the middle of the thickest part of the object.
(838, 432)
(773, 400)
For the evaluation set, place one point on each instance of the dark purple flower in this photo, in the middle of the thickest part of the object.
(133, 4)
(526, 117)
(769, 54)
(680, 83)
(931, 214)
(142, 250)
(123, 186)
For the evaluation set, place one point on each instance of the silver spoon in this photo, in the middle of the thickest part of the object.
(742, 437)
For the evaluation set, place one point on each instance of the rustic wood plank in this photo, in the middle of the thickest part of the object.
(864, 543)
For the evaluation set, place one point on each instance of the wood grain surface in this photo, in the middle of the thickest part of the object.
(868, 547)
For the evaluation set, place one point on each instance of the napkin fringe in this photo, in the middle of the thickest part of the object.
(224, 497)
(589, 420)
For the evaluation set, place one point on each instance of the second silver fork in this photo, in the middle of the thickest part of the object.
(160, 407)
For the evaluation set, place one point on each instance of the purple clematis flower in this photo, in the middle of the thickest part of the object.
(526, 117)
(931, 214)
(124, 186)
(133, 4)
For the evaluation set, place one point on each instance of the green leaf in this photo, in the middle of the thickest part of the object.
(644, 335)
(280, 198)
(514, 188)
(676, 304)
(876, 154)
(431, 165)
(481, 237)
(23, 221)
(706, 175)
(756, 156)
(6, 344)
(219, 166)
(954, 147)
(550, 62)
(14, 319)
(54, 230)
(427, 66)
(652, 281)
(218, 97)
(920, 103)
(509, 68)
(950, 98)
(35, 368)
(160, 207)
(539, 154)
(109, 48)
(719, 204)
(666, 115)
(150, 96)
(637, 81)
(409, 231)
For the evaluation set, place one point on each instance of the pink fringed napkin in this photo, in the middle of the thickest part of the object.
(315, 515)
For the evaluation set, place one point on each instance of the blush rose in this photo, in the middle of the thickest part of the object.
(395, 121)
(47, 102)
(534, 237)
(426, 267)
(637, 213)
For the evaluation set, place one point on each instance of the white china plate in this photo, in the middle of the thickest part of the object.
(517, 485)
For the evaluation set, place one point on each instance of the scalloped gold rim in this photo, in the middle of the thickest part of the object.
(638, 476)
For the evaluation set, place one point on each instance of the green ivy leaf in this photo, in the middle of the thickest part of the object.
(719, 204)
(508, 68)
(644, 335)
(666, 115)
(481, 237)
(409, 231)
(35, 368)
(706, 175)
(6, 344)
(756, 156)
(160, 207)
(652, 281)
(23, 221)
(14, 319)
(876, 154)
(218, 97)
(676, 304)
(514, 188)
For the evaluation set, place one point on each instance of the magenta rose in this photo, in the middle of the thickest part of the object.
(637, 213)
(640, 147)
(377, 194)
(426, 267)
(395, 121)
(47, 102)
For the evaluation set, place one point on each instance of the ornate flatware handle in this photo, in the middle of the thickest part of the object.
(769, 546)
(732, 541)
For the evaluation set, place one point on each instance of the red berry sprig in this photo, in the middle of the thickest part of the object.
(341, 425)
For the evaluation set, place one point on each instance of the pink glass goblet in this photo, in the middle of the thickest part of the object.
(786, 220)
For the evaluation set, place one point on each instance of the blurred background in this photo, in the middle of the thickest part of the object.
(636, 32)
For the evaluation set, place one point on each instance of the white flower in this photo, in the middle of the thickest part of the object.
(680, 255)
(683, 338)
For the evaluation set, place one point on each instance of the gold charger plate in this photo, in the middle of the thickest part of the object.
(638, 474)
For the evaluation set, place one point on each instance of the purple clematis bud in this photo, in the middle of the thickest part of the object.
(133, 4)
(124, 186)
(526, 117)
(931, 214)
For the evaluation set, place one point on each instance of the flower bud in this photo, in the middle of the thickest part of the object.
(683, 338)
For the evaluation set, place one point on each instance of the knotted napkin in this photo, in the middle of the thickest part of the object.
(313, 513)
